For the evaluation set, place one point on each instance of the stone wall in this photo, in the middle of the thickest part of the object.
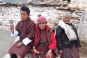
(79, 1)
(53, 13)
(72, 1)
(83, 26)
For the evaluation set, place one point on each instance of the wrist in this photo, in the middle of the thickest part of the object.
(12, 31)
(50, 50)
(22, 43)
(33, 47)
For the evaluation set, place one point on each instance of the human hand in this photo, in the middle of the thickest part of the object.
(19, 44)
(49, 54)
(60, 51)
(36, 51)
(12, 27)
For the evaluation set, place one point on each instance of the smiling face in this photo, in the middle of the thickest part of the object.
(24, 15)
(42, 25)
(66, 19)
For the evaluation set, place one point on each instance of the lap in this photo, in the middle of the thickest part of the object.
(21, 51)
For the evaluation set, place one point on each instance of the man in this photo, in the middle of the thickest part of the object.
(25, 29)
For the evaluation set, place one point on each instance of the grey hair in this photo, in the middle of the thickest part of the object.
(66, 14)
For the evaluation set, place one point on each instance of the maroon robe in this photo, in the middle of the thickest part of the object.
(42, 39)
(25, 29)
(72, 52)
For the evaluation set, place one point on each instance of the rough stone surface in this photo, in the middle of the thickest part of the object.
(79, 1)
(53, 14)
(83, 27)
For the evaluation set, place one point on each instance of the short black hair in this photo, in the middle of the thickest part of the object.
(24, 8)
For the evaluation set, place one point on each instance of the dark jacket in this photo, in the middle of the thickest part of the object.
(62, 39)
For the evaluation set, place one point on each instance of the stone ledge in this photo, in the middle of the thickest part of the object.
(33, 3)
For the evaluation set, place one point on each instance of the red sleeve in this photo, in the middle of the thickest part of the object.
(53, 42)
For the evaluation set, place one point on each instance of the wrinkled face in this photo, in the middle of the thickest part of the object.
(66, 19)
(24, 15)
(42, 25)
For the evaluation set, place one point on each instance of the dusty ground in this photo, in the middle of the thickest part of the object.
(83, 49)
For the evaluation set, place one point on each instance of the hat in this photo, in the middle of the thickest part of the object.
(39, 15)
(41, 19)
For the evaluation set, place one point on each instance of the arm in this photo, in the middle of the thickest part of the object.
(59, 31)
(53, 42)
(31, 34)
(78, 41)
(15, 32)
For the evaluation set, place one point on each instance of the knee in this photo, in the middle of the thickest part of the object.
(10, 53)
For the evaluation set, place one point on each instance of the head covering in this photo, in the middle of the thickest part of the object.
(41, 19)
(66, 14)
(39, 15)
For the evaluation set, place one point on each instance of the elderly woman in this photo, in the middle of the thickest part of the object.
(44, 45)
(67, 38)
